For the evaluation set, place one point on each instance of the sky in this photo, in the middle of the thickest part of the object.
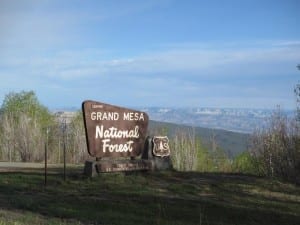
(164, 53)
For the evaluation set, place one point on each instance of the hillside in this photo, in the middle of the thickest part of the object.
(232, 142)
(163, 198)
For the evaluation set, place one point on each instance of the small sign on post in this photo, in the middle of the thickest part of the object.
(161, 146)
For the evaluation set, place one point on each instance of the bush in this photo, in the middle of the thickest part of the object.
(277, 148)
(184, 150)
(245, 163)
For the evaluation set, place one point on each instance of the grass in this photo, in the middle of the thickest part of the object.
(146, 198)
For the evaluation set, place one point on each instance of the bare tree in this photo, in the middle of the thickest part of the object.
(29, 139)
(7, 138)
(184, 150)
(77, 139)
(277, 147)
(297, 94)
(22, 122)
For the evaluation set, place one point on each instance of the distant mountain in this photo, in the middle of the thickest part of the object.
(232, 143)
(239, 120)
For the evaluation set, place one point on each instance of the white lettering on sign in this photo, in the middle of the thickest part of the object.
(113, 132)
(133, 116)
(104, 116)
(127, 147)
(129, 116)
(96, 106)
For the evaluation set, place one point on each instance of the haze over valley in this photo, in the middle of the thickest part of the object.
(238, 120)
(230, 119)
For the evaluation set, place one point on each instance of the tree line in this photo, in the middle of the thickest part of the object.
(27, 128)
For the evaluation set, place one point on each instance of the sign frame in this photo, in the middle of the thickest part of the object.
(113, 131)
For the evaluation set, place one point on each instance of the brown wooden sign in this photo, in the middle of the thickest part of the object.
(114, 131)
(161, 146)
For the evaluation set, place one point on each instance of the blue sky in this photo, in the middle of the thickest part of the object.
(240, 54)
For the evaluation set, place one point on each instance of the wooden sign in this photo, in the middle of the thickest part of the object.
(113, 131)
(161, 146)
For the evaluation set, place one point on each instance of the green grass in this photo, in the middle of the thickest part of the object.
(146, 198)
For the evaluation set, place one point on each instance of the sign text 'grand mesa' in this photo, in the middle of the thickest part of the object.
(114, 131)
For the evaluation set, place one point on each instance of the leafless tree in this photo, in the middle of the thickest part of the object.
(77, 140)
(21, 139)
(7, 138)
(184, 150)
(277, 147)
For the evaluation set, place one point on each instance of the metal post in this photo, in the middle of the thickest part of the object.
(64, 148)
(64, 161)
(45, 164)
(46, 156)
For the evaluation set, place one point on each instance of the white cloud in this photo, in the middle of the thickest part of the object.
(190, 62)
(166, 76)
(200, 62)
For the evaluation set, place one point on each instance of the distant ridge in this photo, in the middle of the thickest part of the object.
(233, 143)
(237, 120)
(231, 119)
